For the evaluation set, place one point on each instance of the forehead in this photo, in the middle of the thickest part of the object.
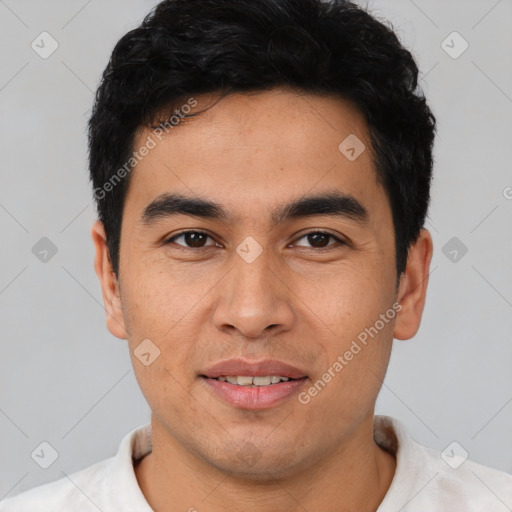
(254, 149)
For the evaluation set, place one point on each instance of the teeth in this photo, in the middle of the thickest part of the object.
(261, 381)
(243, 380)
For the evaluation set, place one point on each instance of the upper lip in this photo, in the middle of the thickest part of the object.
(239, 367)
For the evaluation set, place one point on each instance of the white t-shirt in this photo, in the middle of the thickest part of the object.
(424, 481)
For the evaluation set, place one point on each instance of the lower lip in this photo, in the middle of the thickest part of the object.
(254, 398)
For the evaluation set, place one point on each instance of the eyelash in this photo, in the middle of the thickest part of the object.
(330, 235)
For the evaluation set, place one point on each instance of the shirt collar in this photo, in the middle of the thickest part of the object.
(120, 474)
(389, 434)
(412, 464)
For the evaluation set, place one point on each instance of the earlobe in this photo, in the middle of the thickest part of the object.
(412, 289)
(108, 281)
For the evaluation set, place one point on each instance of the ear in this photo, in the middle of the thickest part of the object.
(108, 281)
(412, 288)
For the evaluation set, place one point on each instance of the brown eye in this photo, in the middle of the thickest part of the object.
(320, 239)
(192, 239)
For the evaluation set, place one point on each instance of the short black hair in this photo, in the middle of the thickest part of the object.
(189, 47)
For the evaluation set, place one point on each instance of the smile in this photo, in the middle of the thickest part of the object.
(253, 393)
(253, 381)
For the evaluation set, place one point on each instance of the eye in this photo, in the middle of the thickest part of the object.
(193, 239)
(320, 239)
(197, 239)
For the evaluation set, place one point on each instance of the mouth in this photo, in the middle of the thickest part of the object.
(254, 386)
(247, 380)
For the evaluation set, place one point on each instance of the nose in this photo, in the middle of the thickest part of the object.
(253, 299)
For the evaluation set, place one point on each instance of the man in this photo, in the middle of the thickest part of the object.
(262, 172)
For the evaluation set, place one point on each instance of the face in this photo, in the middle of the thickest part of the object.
(262, 290)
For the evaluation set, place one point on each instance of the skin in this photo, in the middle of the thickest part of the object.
(299, 303)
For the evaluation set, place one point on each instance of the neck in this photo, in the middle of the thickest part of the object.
(355, 476)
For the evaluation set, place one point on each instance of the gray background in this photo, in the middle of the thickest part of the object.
(65, 380)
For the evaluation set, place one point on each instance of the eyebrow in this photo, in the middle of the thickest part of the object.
(326, 203)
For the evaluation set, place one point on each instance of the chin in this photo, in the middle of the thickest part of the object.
(261, 462)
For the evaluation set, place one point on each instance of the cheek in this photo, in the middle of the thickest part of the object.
(159, 299)
(347, 387)
(157, 312)
(360, 340)
(352, 298)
